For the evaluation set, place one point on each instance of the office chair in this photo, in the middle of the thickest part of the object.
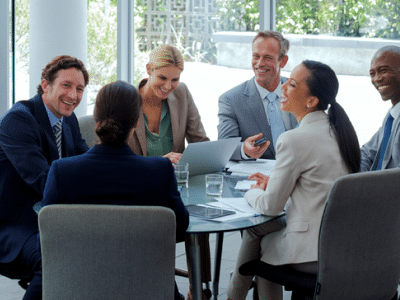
(87, 126)
(359, 243)
(97, 252)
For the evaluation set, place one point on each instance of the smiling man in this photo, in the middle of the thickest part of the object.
(383, 150)
(34, 133)
(251, 110)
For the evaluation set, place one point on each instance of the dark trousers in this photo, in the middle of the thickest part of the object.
(31, 257)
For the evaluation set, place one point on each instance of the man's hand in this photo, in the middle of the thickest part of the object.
(173, 156)
(254, 151)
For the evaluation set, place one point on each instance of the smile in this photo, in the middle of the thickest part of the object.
(68, 103)
(382, 87)
(284, 101)
(164, 91)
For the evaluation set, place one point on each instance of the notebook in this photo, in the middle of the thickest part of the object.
(208, 157)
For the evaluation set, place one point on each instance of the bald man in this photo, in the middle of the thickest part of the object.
(383, 150)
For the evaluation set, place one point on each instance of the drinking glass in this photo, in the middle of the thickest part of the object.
(182, 174)
(214, 185)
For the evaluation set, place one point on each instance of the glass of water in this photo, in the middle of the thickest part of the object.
(182, 174)
(214, 185)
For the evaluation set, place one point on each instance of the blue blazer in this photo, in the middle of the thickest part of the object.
(241, 113)
(27, 148)
(116, 175)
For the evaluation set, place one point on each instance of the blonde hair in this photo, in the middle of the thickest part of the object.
(165, 56)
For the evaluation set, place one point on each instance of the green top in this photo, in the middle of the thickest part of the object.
(160, 144)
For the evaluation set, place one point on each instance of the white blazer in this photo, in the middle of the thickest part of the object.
(308, 161)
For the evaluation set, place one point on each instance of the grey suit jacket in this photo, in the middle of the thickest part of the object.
(185, 122)
(370, 151)
(308, 161)
(241, 114)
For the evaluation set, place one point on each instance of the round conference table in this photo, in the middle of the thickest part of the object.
(196, 194)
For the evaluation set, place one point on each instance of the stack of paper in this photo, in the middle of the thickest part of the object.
(246, 168)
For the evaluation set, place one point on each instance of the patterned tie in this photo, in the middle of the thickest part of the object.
(57, 129)
(386, 135)
(275, 118)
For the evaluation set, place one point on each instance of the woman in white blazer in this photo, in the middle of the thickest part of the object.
(308, 160)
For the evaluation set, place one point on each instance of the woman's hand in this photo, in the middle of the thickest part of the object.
(262, 180)
(173, 156)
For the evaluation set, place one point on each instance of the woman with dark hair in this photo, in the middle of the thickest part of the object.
(309, 159)
(111, 173)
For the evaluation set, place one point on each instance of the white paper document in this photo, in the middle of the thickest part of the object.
(244, 185)
(246, 168)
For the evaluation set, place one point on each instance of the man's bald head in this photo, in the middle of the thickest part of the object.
(385, 73)
(394, 50)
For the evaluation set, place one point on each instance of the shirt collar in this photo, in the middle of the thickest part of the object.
(395, 111)
(264, 92)
(53, 119)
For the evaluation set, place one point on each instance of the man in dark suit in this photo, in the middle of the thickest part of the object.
(251, 110)
(34, 133)
(383, 150)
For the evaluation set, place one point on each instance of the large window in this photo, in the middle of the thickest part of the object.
(21, 50)
(102, 46)
(365, 18)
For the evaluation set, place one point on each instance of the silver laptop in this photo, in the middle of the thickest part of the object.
(209, 157)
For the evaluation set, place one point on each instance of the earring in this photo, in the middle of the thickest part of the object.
(308, 105)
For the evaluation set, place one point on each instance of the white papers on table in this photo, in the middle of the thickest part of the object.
(246, 168)
(244, 185)
(239, 205)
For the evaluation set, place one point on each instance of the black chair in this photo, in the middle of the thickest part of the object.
(359, 243)
(16, 271)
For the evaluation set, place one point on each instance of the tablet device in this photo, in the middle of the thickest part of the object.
(208, 212)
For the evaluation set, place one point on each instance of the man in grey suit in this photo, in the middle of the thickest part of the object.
(383, 150)
(251, 109)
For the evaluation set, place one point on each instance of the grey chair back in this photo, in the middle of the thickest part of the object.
(87, 126)
(96, 252)
(359, 243)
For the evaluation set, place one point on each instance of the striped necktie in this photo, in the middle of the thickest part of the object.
(57, 129)
(275, 118)
(387, 131)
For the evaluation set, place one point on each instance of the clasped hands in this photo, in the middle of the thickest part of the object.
(173, 156)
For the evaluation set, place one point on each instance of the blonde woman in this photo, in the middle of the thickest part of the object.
(169, 113)
(169, 116)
